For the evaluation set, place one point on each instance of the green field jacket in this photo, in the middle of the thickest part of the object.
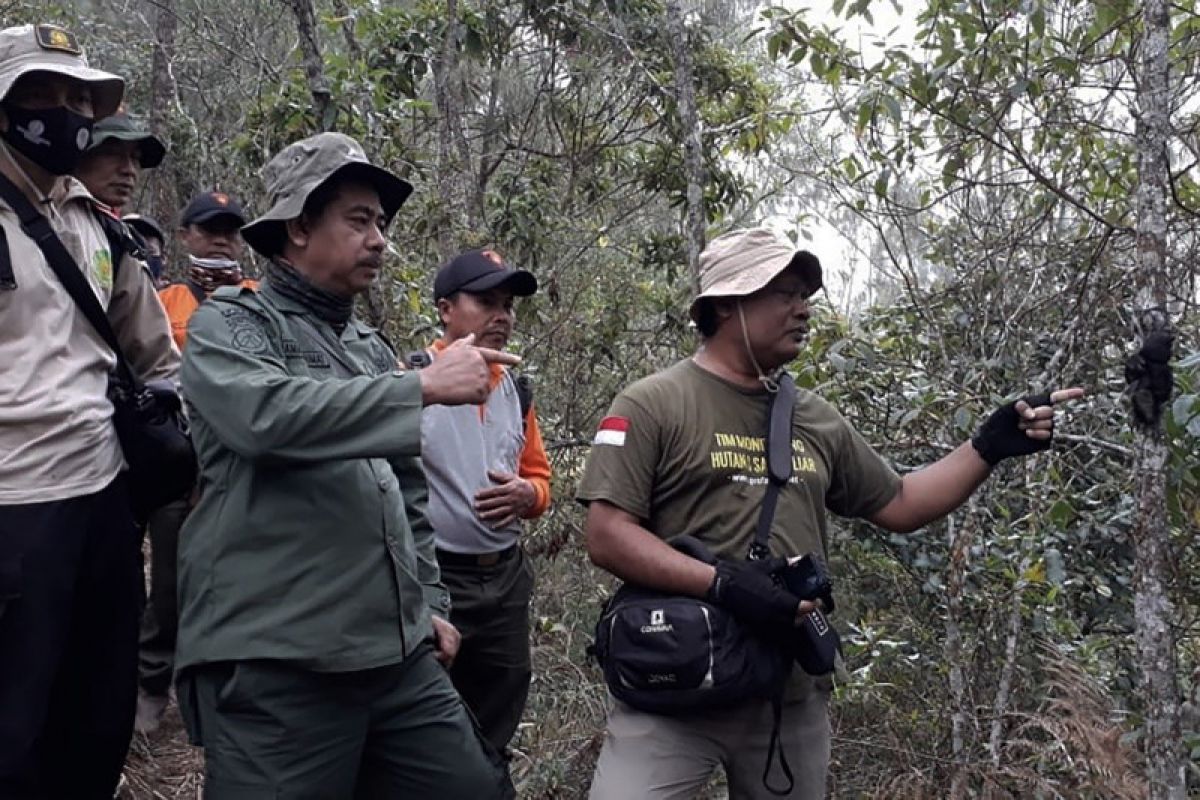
(309, 542)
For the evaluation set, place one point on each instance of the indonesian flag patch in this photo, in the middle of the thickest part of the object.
(612, 431)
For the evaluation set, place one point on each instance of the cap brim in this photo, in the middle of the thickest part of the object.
(213, 213)
(151, 150)
(107, 89)
(263, 234)
(519, 282)
(809, 266)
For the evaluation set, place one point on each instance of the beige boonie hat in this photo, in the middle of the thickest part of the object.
(49, 48)
(298, 169)
(741, 262)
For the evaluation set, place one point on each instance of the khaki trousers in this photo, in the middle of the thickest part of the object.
(672, 758)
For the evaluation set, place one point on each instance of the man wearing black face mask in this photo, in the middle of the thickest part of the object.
(70, 559)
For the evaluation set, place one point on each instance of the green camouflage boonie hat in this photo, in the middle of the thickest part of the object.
(741, 262)
(122, 127)
(296, 172)
(49, 48)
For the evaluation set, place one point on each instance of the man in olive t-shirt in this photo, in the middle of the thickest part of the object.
(683, 452)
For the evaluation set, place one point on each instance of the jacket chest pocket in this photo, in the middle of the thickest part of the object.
(305, 358)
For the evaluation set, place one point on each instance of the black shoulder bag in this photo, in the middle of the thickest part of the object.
(149, 419)
(675, 654)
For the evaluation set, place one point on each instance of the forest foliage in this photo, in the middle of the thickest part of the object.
(981, 162)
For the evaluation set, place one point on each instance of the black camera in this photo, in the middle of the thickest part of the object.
(809, 580)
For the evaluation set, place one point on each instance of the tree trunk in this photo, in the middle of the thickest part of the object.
(960, 531)
(693, 165)
(1151, 535)
(347, 18)
(453, 157)
(1008, 671)
(314, 66)
(164, 199)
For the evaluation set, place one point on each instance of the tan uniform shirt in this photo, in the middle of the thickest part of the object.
(56, 437)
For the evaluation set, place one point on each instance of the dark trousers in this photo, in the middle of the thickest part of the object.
(160, 622)
(70, 597)
(271, 729)
(491, 611)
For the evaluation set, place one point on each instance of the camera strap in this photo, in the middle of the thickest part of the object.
(779, 461)
(780, 411)
(38, 228)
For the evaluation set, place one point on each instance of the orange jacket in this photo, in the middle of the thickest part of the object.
(180, 301)
(533, 465)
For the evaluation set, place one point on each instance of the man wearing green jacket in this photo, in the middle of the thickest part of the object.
(312, 613)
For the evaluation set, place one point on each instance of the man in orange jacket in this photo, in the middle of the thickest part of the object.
(487, 471)
(209, 231)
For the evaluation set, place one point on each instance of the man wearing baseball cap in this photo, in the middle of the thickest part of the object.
(209, 230)
(70, 557)
(119, 151)
(312, 614)
(680, 452)
(487, 471)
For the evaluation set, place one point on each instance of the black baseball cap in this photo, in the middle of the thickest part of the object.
(145, 225)
(478, 271)
(208, 205)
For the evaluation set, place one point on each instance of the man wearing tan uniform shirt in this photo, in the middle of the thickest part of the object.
(70, 560)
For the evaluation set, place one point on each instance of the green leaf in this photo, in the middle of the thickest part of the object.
(892, 107)
(1060, 514)
(1184, 408)
(881, 183)
(950, 170)
(818, 65)
(1038, 20)
(864, 116)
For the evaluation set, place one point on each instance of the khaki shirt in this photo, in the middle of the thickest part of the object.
(310, 542)
(56, 437)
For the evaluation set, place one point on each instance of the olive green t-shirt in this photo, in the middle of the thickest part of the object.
(685, 452)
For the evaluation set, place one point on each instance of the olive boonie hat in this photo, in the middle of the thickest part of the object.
(122, 127)
(298, 169)
(49, 48)
(741, 262)
(478, 271)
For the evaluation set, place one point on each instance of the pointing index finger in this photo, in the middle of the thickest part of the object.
(499, 357)
(1065, 395)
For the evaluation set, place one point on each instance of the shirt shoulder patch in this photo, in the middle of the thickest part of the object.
(612, 431)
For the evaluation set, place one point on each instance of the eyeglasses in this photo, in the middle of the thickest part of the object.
(790, 294)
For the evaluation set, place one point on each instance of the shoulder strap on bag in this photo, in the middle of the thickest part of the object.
(122, 240)
(37, 227)
(779, 471)
(779, 461)
(8, 280)
(524, 388)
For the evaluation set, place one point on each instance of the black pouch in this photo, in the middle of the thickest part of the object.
(154, 439)
(817, 644)
(672, 654)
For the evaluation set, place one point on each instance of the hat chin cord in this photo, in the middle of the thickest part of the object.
(771, 385)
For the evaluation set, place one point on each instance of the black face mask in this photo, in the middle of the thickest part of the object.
(155, 263)
(52, 138)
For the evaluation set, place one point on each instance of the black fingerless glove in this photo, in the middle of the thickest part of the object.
(748, 591)
(999, 437)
